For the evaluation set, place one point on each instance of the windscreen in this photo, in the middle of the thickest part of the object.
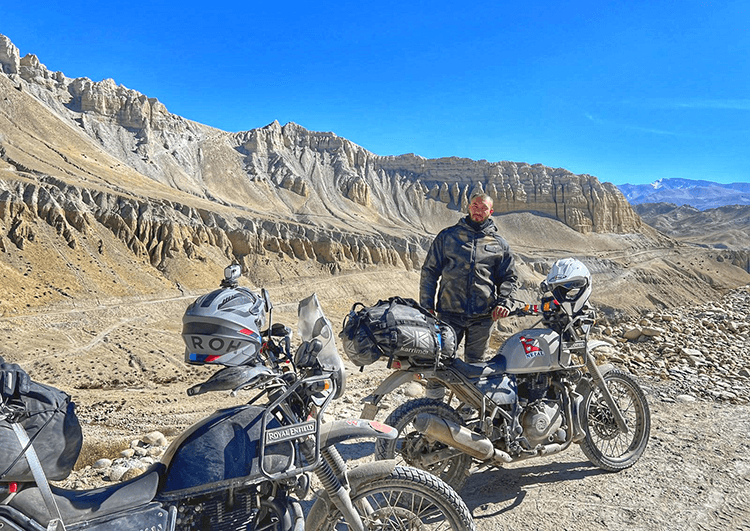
(313, 324)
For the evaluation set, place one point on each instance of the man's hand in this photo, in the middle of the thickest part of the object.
(499, 312)
(13, 380)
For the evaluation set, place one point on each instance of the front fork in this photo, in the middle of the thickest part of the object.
(599, 381)
(331, 472)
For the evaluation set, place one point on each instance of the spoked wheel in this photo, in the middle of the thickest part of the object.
(413, 449)
(605, 445)
(407, 499)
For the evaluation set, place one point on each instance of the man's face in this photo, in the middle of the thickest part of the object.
(480, 209)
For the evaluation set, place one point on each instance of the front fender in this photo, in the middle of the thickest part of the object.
(361, 475)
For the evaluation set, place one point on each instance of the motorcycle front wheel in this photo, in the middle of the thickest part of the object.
(408, 498)
(411, 447)
(605, 444)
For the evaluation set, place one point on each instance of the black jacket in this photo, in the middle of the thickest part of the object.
(475, 267)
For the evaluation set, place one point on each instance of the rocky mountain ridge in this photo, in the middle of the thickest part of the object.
(136, 201)
(313, 166)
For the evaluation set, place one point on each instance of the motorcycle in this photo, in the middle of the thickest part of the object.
(247, 467)
(540, 393)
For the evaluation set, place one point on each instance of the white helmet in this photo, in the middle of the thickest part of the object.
(570, 283)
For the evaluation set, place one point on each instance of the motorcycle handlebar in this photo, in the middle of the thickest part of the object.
(536, 309)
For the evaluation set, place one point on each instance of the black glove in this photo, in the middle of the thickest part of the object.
(13, 379)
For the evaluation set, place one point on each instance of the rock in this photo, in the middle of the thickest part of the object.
(413, 389)
(685, 398)
(131, 473)
(10, 59)
(632, 333)
(117, 472)
(155, 438)
(652, 331)
(102, 463)
(691, 353)
(155, 451)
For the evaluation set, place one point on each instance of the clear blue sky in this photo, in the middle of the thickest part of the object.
(628, 91)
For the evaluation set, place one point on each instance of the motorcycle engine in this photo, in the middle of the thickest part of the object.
(542, 423)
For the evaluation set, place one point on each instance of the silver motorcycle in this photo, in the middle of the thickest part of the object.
(541, 393)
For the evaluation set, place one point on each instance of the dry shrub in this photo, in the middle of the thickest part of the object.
(92, 451)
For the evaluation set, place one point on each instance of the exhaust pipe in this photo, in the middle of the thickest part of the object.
(459, 437)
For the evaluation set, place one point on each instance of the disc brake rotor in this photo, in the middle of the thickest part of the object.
(603, 422)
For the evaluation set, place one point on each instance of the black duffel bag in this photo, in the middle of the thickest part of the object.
(398, 328)
(49, 418)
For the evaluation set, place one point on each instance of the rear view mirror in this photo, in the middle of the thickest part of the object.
(266, 299)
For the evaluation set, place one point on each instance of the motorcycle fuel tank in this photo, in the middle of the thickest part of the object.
(532, 350)
(224, 446)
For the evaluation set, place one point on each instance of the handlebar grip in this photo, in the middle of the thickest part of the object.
(536, 309)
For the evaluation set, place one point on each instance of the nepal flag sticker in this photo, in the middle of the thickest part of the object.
(531, 347)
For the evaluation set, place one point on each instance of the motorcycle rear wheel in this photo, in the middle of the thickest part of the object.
(408, 498)
(411, 445)
(605, 445)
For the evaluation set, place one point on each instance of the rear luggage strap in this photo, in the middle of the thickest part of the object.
(55, 523)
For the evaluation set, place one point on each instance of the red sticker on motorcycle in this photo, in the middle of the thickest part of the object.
(382, 428)
(531, 347)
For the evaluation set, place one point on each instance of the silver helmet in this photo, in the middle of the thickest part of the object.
(224, 326)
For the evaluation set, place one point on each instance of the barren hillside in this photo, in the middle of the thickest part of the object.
(726, 227)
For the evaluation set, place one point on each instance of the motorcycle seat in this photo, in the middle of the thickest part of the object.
(83, 505)
(481, 369)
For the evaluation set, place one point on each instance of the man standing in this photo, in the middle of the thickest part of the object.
(477, 277)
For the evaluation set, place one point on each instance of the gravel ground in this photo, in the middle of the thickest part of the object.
(694, 474)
